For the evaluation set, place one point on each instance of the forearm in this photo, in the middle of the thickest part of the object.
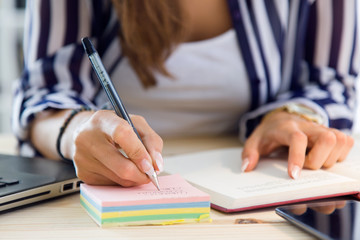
(45, 130)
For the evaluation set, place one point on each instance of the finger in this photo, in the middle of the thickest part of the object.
(151, 140)
(93, 178)
(266, 139)
(89, 150)
(108, 174)
(321, 150)
(92, 171)
(123, 168)
(336, 152)
(120, 132)
(346, 150)
(340, 204)
(297, 151)
(299, 209)
(288, 134)
(250, 154)
(325, 209)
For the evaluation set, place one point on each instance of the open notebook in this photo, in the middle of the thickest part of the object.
(29, 180)
(217, 172)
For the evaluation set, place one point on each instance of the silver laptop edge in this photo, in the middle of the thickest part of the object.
(40, 193)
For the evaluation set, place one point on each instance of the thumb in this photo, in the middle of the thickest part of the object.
(250, 155)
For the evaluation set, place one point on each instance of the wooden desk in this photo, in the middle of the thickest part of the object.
(64, 218)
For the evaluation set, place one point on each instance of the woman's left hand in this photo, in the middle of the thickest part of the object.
(311, 145)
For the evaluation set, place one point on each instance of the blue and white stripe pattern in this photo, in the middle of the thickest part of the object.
(298, 50)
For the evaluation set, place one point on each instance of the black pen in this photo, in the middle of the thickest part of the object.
(113, 96)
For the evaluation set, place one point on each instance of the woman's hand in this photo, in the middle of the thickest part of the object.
(94, 146)
(326, 208)
(310, 145)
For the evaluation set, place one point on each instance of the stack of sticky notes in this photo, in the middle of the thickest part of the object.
(176, 202)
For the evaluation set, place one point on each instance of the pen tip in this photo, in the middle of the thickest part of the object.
(157, 183)
(154, 180)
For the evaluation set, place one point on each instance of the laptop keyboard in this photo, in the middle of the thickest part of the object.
(8, 181)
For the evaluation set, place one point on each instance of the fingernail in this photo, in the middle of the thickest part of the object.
(245, 164)
(147, 167)
(295, 172)
(159, 161)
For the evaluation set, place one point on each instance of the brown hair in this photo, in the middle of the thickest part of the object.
(149, 30)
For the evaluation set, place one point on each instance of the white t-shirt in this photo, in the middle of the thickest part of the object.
(207, 96)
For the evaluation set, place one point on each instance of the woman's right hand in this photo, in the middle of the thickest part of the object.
(95, 150)
(94, 139)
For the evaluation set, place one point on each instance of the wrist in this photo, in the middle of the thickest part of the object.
(299, 110)
(64, 143)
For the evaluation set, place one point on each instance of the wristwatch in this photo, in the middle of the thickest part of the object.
(304, 112)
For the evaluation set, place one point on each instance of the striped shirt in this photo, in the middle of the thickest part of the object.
(299, 50)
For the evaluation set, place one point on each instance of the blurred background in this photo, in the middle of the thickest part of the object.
(11, 29)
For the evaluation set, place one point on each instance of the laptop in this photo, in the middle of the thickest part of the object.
(28, 180)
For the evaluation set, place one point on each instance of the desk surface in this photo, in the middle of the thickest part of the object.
(64, 218)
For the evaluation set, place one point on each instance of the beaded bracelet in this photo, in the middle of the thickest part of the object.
(63, 127)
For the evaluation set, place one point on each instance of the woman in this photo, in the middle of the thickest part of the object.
(281, 73)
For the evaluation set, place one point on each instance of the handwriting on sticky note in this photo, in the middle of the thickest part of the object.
(166, 191)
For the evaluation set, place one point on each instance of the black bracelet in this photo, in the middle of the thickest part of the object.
(63, 127)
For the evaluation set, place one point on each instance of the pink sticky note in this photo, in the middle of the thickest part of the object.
(173, 189)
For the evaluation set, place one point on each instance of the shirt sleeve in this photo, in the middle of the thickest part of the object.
(324, 76)
(57, 73)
